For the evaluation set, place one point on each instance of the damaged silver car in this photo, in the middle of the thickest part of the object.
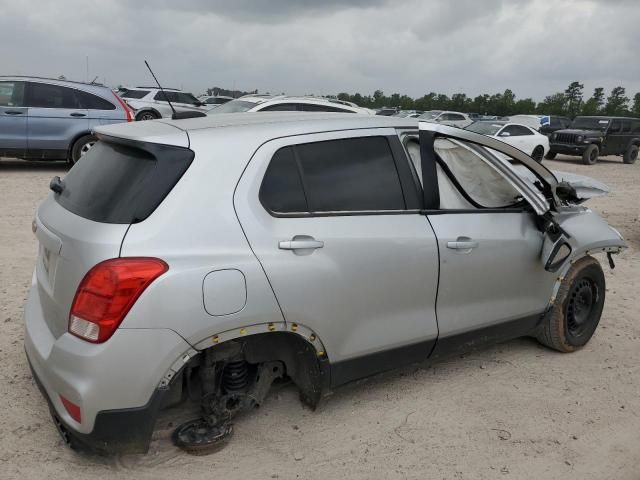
(207, 258)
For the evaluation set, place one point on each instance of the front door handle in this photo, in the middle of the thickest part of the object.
(301, 243)
(463, 244)
(77, 114)
(13, 112)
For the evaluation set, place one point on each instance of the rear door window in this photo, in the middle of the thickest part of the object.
(338, 176)
(281, 107)
(11, 94)
(312, 107)
(355, 174)
(517, 130)
(115, 183)
(43, 95)
(135, 93)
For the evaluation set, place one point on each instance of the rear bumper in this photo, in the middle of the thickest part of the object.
(568, 149)
(115, 384)
(114, 431)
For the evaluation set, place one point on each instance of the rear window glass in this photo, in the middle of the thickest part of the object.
(93, 102)
(135, 93)
(115, 183)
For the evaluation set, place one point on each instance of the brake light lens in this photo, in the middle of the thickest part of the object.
(107, 293)
(125, 106)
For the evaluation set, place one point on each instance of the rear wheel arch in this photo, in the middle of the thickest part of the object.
(298, 348)
(72, 154)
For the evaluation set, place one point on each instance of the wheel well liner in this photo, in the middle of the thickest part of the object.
(307, 370)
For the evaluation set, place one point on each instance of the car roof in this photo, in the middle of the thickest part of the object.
(261, 98)
(54, 81)
(270, 123)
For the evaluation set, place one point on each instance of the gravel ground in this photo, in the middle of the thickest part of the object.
(516, 410)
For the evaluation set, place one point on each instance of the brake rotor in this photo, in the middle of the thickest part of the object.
(197, 437)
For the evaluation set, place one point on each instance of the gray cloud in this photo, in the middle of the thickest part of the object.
(535, 47)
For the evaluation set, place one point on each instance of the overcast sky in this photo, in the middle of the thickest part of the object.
(534, 47)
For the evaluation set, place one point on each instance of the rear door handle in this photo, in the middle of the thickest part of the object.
(77, 114)
(13, 112)
(463, 243)
(300, 244)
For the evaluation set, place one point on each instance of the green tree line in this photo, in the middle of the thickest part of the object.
(570, 102)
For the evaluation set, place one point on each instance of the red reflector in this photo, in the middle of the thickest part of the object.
(72, 409)
(107, 293)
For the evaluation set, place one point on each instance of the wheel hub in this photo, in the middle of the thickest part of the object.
(582, 300)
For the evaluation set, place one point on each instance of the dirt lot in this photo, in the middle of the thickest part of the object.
(515, 410)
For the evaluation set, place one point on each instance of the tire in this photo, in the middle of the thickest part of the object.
(631, 155)
(590, 155)
(576, 312)
(538, 153)
(550, 155)
(147, 115)
(82, 146)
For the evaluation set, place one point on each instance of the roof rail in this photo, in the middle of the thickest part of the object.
(98, 84)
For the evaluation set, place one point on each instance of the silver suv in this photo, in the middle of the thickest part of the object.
(209, 257)
(47, 119)
(151, 103)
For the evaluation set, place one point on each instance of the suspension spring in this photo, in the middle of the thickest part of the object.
(236, 376)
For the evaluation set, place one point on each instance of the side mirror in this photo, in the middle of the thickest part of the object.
(504, 134)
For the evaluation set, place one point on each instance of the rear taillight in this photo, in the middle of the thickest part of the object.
(126, 107)
(107, 293)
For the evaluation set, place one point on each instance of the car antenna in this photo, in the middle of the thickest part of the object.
(176, 115)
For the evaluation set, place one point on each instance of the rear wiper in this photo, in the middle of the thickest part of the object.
(56, 184)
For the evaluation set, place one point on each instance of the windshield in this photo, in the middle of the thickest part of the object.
(234, 106)
(485, 128)
(590, 123)
(430, 115)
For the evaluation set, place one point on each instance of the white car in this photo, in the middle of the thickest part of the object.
(520, 136)
(284, 103)
(151, 103)
(532, 121)
(214, 101)
(453, 119)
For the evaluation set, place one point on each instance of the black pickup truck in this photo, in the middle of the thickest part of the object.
(591, 137)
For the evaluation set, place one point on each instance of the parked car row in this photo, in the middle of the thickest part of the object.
(53, 119)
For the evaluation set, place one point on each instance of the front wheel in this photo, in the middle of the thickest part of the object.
(538, 153)
(590, 155)
(576, 312)
(82, 146)
(631, 155)
(550, 155)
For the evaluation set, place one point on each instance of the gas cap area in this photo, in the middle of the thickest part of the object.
(224, 292)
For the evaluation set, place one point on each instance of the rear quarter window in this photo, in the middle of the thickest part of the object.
(135, 93)
(122, 183)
